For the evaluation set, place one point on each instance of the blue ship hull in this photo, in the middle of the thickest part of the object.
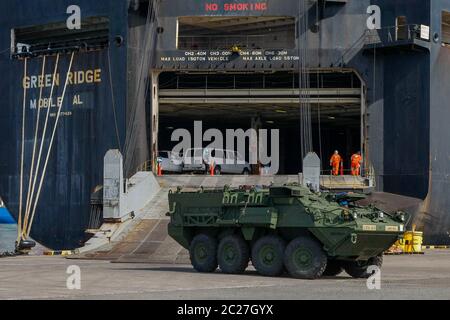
(5, 216)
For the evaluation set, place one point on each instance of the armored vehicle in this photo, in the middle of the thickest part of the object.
(286, 228)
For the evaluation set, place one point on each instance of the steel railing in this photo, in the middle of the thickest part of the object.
(393, 34)
(387, 35)
(219, 42)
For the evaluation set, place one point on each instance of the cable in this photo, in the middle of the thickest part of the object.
(51, 144)
(19, 229)
(374, 73)
(113, 101)
(137, 108)
(44, 132)
(5, 50)
(319, 81)
(304, 80)
(28, 204)
(129, 140)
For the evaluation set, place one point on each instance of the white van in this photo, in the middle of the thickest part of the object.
(225, 161)
(170, 162)
(193, 160)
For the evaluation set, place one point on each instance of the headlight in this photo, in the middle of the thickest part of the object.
(355, 215)
(380, 215)
(400, 216)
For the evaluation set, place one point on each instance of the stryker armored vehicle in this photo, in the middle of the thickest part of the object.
(281, 228)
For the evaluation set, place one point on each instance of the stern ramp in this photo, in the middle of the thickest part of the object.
(145, 238)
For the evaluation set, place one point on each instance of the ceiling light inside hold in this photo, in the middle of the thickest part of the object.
(280, 111)
(332, 118)
(270, 122)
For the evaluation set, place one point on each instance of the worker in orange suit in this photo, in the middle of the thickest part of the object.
(335, 162)
(356, 162)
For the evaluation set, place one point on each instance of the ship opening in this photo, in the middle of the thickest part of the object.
(52, 38)
(246, 33)
(266, 101)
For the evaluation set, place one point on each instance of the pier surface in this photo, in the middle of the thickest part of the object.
(36, 277)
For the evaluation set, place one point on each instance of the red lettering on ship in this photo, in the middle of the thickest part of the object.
(211, 7)
(256, 6)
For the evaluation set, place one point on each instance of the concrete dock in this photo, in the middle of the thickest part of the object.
(403, 277)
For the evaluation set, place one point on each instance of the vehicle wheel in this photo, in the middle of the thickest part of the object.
(246, 172)
(217, 170)
(203, 253)
(267, 256)
(233, 254)
(334, 268)
(304, 258)
(358, 269)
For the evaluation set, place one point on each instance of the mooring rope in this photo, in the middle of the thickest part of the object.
(35, 175)
(19, 229)
(27, 207)
(50, 146)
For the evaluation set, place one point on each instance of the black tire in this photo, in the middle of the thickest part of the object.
(267, 256)
(304, 258)
(217, 170)
(358, 269)
(334, 268)
(233, 254)
(203, 253)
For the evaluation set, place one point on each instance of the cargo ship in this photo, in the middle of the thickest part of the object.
(371, 73)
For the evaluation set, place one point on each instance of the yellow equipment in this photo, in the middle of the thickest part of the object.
(411, 242)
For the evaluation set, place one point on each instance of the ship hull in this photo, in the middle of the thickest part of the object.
(404, 94)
